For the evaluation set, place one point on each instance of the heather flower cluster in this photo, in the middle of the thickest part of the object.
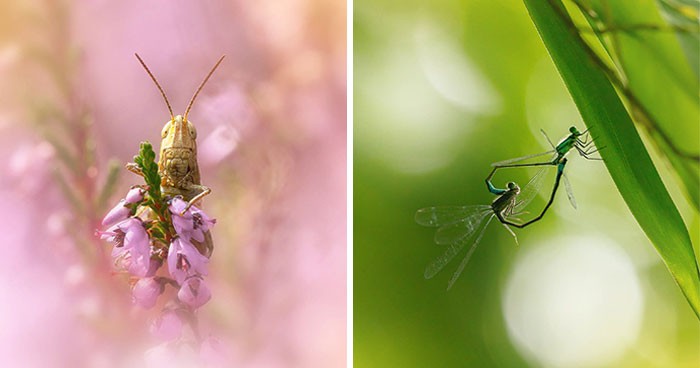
(148, 231)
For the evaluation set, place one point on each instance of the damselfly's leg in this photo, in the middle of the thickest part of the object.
(547, 138)
(587, 153)
(560, 172)
(512, 233)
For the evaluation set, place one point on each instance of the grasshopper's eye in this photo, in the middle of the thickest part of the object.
(164, 132)
(193, 131)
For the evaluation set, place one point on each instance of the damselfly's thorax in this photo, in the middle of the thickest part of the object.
(504, 203)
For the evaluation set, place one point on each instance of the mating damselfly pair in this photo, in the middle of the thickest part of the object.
(459, 226)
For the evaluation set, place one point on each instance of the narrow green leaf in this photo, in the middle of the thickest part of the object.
(672, 116)
(625, 156)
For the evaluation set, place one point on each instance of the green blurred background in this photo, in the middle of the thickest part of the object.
(440, 92)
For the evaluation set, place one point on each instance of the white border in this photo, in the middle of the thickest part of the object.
(349, 211)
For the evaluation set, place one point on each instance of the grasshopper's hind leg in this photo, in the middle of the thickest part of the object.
(203, 191)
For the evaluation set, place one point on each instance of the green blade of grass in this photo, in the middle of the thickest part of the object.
(625, 156)
(651, 58)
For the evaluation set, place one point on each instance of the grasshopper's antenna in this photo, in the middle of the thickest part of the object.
(157, 85)
(189, 106)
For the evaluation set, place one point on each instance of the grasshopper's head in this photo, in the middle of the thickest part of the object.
(179, 133)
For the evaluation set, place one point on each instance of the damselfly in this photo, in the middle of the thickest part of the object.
(580, 141)
(459, 226)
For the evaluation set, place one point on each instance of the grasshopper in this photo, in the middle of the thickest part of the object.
(177, 161)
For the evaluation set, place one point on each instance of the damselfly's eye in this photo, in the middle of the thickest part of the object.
(512, 185)
(573, 130)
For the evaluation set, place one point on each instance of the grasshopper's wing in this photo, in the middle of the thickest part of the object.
(569, 192)
(452, 249)
(506, 163)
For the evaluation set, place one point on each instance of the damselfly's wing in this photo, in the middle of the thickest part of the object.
(452, 249)
(569, 192)
(467, 257)
(455, 222)
(530, 190)
(551, 153)
(446, 215)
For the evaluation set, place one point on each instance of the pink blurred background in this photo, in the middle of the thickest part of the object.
(272, 146)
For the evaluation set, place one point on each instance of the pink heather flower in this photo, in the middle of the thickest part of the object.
(167, 326)
(153, 267)
(116, 214)
(190, 224)
(194, 292)
(121, 211)
(134, 195)
(183, 222)
(130, 238)
(184, 260)
(202, 223)
(146, 292)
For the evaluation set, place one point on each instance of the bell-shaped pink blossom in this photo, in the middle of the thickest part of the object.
(146, 292)
(131, 245)
(182, 220)
(121, 211)
(116, 214)
(190, 224)
(184, 260)
(134, 195)
(194, 292)
(153, 267)
(202, 223)
(113, 235)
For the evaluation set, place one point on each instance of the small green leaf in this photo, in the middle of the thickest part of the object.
(625, 156)
(147, 164)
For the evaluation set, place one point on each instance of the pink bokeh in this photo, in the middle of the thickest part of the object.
(272, 140)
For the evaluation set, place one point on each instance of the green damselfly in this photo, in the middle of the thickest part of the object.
(580, 141)
(459, 226)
